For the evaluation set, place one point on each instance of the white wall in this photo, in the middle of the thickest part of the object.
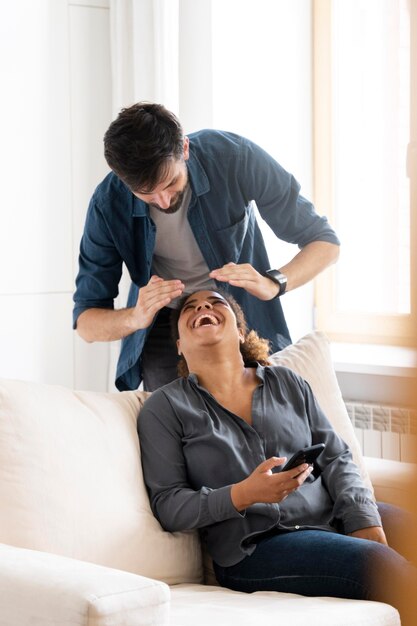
(56, 100)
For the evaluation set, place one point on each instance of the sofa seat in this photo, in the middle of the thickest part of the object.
(205, 605)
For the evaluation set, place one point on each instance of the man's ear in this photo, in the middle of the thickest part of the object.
(186, 148)
(178, 348)
(241, 337)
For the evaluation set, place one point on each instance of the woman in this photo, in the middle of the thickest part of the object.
(213, 443)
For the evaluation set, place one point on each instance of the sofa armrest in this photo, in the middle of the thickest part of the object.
(39, 588)
(391, 480)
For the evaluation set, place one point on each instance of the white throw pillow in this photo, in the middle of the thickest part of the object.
(311, 358)
(71, 482)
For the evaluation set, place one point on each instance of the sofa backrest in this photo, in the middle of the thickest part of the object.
(71, 482)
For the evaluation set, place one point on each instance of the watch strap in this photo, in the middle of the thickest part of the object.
(280, 279)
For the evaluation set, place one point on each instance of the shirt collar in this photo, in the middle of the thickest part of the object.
(260, 372)
(139, 207)
(198, 179)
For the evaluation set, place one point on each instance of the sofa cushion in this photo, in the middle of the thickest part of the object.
(310, 357)
(214, 606)
(71, 482)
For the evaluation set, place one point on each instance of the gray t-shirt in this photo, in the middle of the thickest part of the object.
(193, 451)
(176, 253)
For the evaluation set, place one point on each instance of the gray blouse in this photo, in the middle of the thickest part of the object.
(193, 450)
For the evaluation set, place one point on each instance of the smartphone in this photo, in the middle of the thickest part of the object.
(305, 455)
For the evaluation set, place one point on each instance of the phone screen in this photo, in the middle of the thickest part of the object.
(305, 455)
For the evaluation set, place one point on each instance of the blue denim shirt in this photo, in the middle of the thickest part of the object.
(227, 174)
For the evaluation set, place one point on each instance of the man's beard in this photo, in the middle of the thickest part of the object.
(174, 206)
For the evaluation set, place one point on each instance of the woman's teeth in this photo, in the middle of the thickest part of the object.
(206, 320)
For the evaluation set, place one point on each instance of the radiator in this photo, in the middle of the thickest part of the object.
(387, 432)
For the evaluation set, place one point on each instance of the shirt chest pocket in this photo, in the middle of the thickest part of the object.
(230, 239)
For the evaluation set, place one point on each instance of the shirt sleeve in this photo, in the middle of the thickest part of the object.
(176, 505)
(100, 265)
(354, 504)
(277, 195)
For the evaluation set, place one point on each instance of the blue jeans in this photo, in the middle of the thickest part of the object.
(320, 563)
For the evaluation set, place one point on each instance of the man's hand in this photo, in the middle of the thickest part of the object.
(264, 486)
(152, 298)
(373, 533)
(303, 267)
(97, 324)
(248, 278)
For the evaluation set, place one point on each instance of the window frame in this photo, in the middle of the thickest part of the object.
(399, 329)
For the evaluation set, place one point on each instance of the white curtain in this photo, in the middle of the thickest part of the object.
(144, 52)
(144, 57)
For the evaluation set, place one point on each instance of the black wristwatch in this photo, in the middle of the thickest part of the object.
(280, 279)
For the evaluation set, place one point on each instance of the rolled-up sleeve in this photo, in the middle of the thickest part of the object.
(100, 265)
(277, 195)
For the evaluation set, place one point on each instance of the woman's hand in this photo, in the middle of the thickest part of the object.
(373, 533)
(264, 486)
(248, 278)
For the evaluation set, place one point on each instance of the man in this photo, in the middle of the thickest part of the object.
(178, 211)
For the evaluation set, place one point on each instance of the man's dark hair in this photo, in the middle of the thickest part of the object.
(140, 144)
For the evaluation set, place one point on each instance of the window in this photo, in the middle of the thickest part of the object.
(365, 166)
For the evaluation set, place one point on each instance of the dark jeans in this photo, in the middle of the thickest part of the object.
(319, 563)
(160, 356)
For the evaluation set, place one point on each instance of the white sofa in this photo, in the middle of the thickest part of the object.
(79, 544)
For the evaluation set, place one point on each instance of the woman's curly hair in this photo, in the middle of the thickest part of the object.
(254, 348)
